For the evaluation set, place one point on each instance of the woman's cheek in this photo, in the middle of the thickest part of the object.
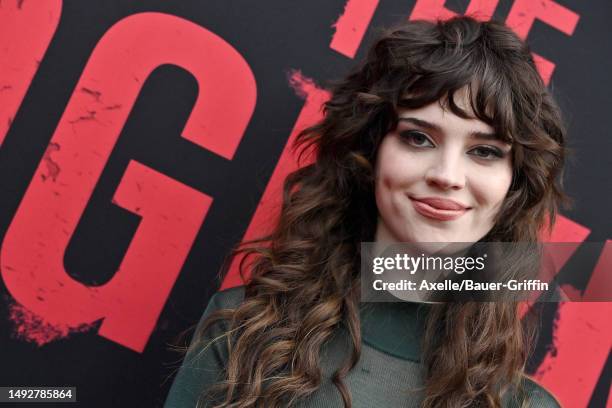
(490, 187)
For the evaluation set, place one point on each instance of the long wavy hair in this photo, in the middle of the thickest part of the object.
(302, 280)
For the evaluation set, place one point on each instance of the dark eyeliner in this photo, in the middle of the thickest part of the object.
(498, 153)
(406, 136)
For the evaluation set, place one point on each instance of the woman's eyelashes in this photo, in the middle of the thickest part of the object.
(416, 138)
(488, 152)
(421, 140)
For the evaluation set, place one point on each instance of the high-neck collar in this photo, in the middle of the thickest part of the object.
(395, 328)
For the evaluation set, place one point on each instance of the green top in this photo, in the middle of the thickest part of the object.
(389, 367)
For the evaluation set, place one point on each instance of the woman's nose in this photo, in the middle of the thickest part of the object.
(446, 173)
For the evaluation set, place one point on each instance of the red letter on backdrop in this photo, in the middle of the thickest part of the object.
(582, 331)
(434, 10)
(581, 343)
(26, 28)
(524, 12)
(33, 249)
(352, 25)
(269, 206)
(353, 22)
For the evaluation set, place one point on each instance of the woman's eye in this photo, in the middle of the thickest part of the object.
(417, 139)
(487, 153)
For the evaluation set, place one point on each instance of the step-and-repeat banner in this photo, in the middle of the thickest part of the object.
(139, 141)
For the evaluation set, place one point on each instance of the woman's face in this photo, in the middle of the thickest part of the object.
(439, 177)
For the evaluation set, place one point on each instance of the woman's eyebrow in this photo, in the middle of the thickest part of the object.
(421, 123)
(486, 136)
(434, 127)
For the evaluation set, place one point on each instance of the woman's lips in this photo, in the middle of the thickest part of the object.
(436, 213)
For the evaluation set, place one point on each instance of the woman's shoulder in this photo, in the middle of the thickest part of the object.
(208, 353)
(227, 298)
(537, 395)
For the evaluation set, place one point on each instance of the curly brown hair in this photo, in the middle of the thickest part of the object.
(302, 280)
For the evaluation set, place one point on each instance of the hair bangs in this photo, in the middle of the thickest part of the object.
(473, 72)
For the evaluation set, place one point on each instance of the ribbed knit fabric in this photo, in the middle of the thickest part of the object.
(387, 371)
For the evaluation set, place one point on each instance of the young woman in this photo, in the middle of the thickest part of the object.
(445, 133)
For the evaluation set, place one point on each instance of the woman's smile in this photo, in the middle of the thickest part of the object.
(438, 208)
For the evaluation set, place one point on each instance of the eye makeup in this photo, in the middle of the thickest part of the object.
(419, 139)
